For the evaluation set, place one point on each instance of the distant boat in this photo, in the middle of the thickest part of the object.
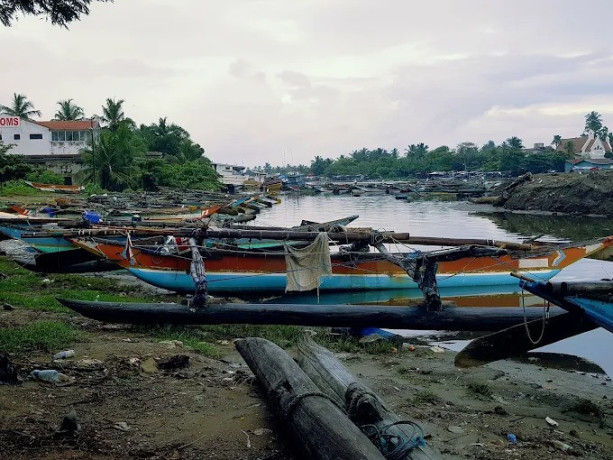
(55, 187)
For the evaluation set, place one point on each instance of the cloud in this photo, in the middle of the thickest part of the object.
(258, 81)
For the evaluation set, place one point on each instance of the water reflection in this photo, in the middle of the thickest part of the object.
(573, 228)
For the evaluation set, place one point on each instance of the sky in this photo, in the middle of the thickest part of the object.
(281, 81)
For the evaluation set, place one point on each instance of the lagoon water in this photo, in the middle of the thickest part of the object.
(460, 220)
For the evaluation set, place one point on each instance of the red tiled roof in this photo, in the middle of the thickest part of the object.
(578, 143)
(70, 125)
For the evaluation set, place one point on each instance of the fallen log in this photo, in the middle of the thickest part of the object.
(318, 425)
(395, 438)
(416, 317)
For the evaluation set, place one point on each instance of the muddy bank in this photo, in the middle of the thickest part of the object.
(129, 406)
(574, 193)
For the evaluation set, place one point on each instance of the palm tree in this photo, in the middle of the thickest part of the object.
(21, 108)
(515, 142)
(569, 149)
(69, 111)
(593, 122)
(557, 140)
(111, 163)
(112, 114)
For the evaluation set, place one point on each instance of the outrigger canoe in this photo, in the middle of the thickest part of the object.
(240, 271)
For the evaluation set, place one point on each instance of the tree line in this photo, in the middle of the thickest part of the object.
(116, 156)
(510, 158)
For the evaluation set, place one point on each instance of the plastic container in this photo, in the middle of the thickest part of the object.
(64, 354)
(50, 376)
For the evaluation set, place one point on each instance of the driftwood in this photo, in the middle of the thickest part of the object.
(320, 428)
(450, 318)
(500, 200)
(395, 438)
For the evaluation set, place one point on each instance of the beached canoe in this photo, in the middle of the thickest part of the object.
(232, 271)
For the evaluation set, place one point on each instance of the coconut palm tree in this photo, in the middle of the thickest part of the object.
(557, 140)
(21, 108)
(111, 163)
(593, 122)
(515, 142)
(113, 115)
(69, 111)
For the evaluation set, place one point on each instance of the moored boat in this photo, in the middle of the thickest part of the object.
(241, 271)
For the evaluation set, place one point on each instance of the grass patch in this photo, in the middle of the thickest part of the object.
(18, 188)
(587, 407)
(41, 335)
(23, 288)
(192, 337)
(425, 397)
(480, 389)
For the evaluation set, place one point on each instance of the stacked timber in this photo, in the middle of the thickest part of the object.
(317, 424)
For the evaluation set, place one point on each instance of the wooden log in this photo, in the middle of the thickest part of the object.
(319, 427)
(295, 235)
(393, 437)
(450, 318)
(587, 288)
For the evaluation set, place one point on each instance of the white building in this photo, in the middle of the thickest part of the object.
(35, 139)
(589, 146)
(54, 144)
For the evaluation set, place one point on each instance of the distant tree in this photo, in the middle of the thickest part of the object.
(12, 166)
(113, 115)
(416, 149)
(514, 142)
(593, 122)
(59, 12)
(110, 163)
(569, 149)
(21, 108)
(603, 133)
(557, 140)
(319, 165)
(68, 111)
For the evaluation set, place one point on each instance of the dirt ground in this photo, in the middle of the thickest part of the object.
(129, 408)
(576, 193)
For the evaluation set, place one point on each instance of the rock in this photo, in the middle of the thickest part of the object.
(149, 366)
(172, 343)
(437, 349)
(498, 410)
(455, 429)
(122, 426)
(261, 431)
(174, 362)
(69, 424)
(8, 372)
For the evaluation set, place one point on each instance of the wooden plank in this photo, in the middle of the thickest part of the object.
(319, 427)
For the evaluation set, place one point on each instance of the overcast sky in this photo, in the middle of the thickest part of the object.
(281, 81)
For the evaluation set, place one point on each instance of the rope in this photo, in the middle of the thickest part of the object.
(394, 446)
(295, 400)
(545, 318)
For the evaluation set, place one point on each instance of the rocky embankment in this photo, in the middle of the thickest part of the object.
(574, 193)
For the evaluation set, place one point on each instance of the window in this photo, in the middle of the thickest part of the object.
(69, 136)
(36, 136)
(16, 136)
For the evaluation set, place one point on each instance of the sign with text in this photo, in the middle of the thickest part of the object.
(8, 121)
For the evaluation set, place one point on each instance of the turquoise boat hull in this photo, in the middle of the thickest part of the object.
(234, 282)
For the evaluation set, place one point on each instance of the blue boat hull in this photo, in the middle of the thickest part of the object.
(275, 282)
